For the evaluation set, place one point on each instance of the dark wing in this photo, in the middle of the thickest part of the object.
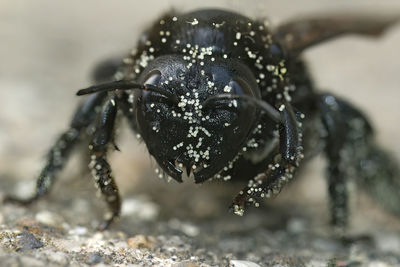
(297, 35)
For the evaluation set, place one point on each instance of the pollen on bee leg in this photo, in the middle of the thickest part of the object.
(238, 35)
(227, 178)
(238, 210)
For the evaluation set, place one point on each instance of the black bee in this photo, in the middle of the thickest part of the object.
(223, 96)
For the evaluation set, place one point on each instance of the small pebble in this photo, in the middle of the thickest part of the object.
(29, 261)
(185, 264)
(296, 226)
(388, 242)
(27, 241)
(94, 258)
(25, 188)
(59, 257)
(190, 229)
(238, 263)
(186, 228)
(49, 218)
(78, 230)
(141, 241)
(140, 209)
(98, 236)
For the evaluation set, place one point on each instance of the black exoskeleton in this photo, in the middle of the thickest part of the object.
(227, 97)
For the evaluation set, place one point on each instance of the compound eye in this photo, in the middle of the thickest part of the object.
(153, 77)
(241, 87)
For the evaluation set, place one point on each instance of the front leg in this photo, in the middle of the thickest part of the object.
(61, 150)
(56, 159)
(263, 185)
(99, 166)
(284, 163)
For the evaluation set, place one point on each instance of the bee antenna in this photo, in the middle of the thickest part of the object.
(264, 106)
(127, 85)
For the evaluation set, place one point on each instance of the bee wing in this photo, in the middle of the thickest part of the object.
(297, 35)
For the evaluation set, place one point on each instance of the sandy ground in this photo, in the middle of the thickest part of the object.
(48, 50)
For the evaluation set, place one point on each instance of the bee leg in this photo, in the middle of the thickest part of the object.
(285, 162)
(264, 185)
(99, 165)
(338, 117)
(61, 150)
(352, 153)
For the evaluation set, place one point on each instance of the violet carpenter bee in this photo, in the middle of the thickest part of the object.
(217, 95)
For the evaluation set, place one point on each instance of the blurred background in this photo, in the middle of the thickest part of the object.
(49, 48)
